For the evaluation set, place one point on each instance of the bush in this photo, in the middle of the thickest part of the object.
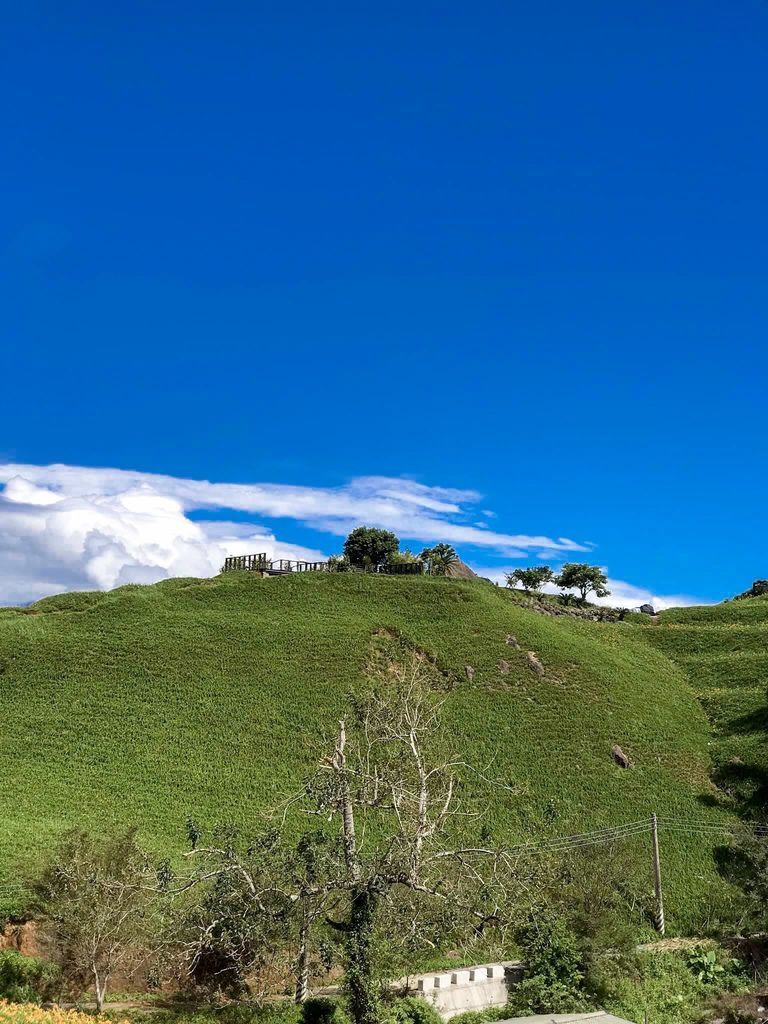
(667, 987)
(26, 979)
(412, 1010)
(714, 969)
(230, 1013)
(323, 1011)
(490, 1013)
(338, 563)
(554, 980)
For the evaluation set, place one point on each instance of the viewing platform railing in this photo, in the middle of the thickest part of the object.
(261, 563)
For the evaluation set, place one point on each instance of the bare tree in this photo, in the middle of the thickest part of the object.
(97, 897)
(390, 811)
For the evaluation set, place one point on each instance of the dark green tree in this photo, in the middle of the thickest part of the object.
(587, 579)
(368, 546)
(439, 558)
(532, 579)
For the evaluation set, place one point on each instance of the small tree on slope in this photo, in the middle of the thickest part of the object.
(532, 579)
(587, 579)
(97, 896)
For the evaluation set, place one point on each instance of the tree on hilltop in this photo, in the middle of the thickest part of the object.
(587, 579)
(439, 558)
(368, 546)
(531, 579)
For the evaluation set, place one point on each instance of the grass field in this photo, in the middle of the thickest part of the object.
(210, 697)
(724, 651)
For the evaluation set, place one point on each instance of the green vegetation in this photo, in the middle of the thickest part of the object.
(554, 980)
(532, 579)
(587, 579)
(440, 558)
(723, 649)
(367, 547)
(210, 698)
(667, 987)
(26, 979)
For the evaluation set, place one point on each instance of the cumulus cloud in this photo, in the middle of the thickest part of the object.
(72, 527)
(51, 542)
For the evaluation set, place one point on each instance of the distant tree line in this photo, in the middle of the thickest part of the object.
(580, 576)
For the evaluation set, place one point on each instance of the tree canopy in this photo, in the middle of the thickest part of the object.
(587, 579)
(532, 578)
(439, 558)
(368, 546)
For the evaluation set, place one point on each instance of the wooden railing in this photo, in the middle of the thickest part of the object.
(261, 563)
(247, 563)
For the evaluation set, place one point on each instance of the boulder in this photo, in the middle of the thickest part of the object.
(503, 666)
(470, 672)
(512, 642)
(534, 664)
(620, 757)
(647, 609)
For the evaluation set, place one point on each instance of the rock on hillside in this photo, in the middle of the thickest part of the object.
(758, 589)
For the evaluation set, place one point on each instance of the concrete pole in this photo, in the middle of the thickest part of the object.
(657, 876)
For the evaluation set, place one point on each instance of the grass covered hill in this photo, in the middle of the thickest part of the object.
(724, 651)
(210, 697)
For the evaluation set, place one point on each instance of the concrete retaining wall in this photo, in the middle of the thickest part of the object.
(468, 988)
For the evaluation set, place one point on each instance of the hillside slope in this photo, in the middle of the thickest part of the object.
(210, 697)
(724, 651)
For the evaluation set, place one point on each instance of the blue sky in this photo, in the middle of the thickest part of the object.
(517, 250)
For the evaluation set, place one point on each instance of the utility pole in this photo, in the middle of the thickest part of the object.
(657, 875)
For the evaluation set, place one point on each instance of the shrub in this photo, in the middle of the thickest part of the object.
(713, 968)
(490, 1013)
(338, 563)
(26, 979)
(664, 988)
(323, 1011)
(554, 981)
(412, 1010)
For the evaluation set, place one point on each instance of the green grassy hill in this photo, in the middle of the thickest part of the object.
(724, 651)
(210, 697)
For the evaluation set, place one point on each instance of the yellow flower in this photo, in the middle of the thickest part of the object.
(28, 1013)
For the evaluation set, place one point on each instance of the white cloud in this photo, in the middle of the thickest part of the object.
(51, 542)
(72, 527)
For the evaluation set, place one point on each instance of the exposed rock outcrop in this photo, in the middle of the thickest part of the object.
(534, 664)
(620, 757)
